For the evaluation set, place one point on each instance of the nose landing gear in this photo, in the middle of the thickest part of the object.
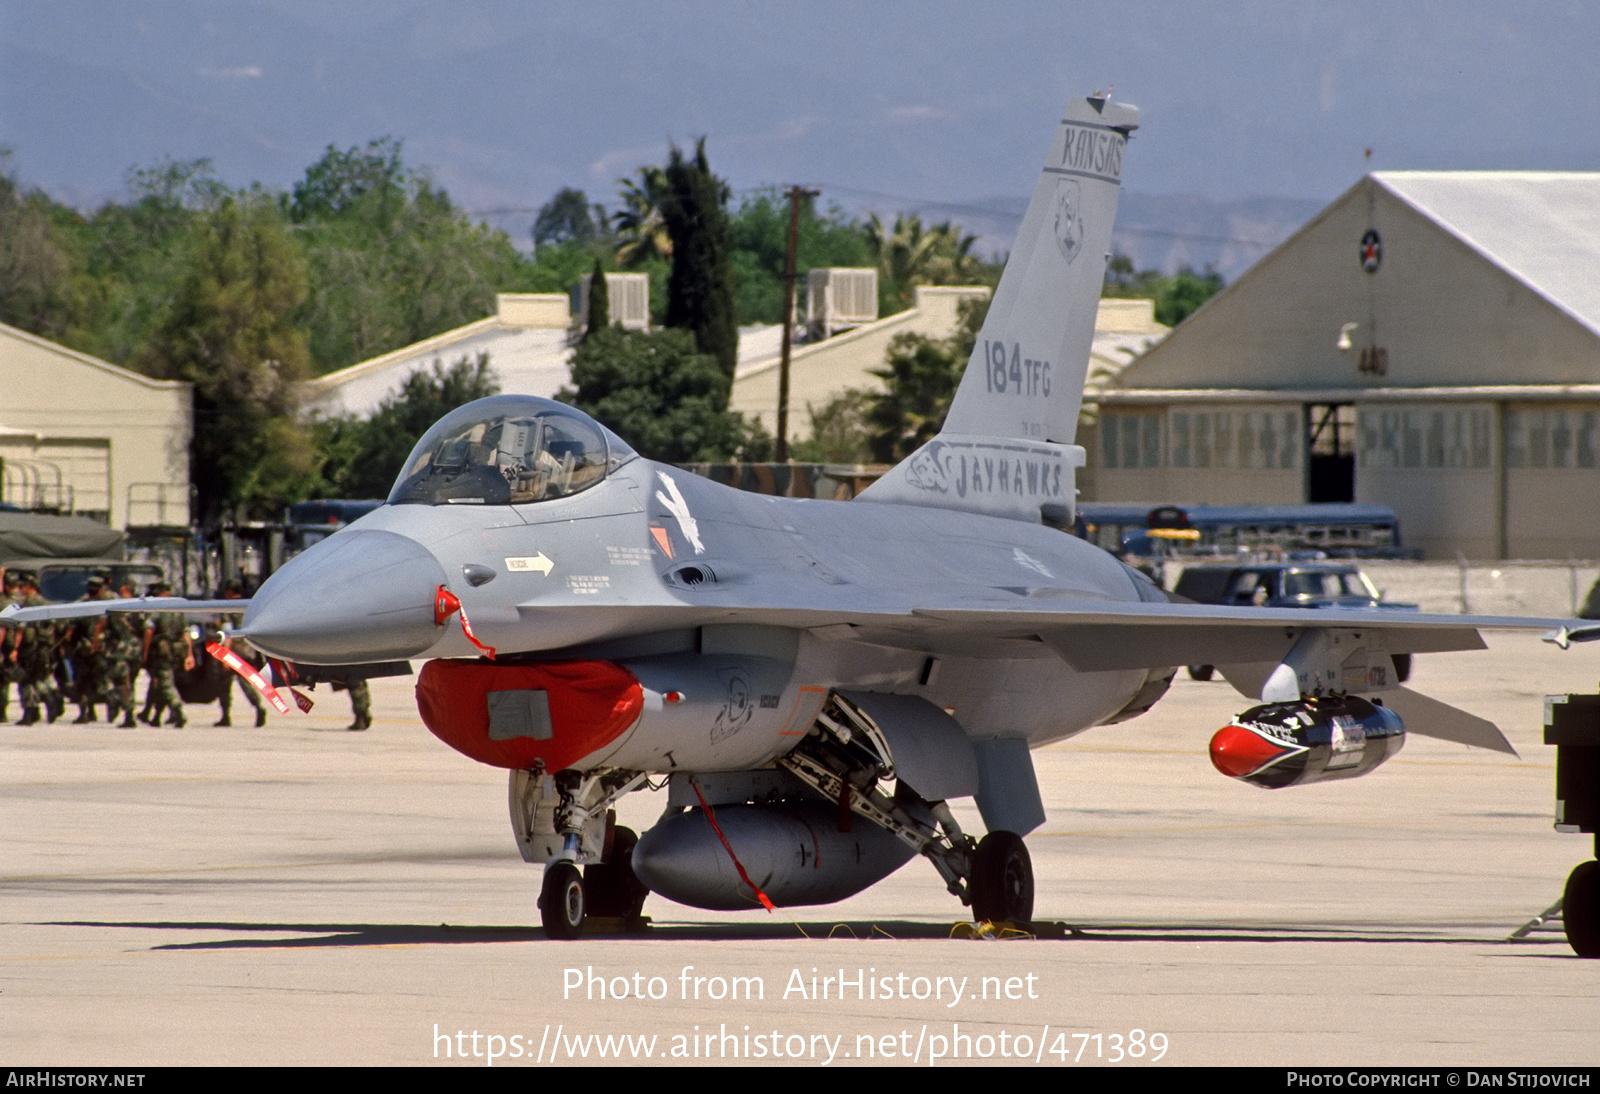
(561, 903)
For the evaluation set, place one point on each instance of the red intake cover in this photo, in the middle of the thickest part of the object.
(592, 703)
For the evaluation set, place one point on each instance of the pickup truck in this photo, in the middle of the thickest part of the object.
(1308, 585)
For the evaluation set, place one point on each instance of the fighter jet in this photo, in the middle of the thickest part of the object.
(815, 681)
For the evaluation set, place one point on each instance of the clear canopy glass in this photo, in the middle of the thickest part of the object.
(508, 450)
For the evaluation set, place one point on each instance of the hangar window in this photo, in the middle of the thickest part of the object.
(1548, 437)
(1253, 440)
(1424, 438)
(508, 450)
(1130, 439)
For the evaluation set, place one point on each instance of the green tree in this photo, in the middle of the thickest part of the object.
(839, 431)
(920, 380)
(363, 456)
(370, 183)
(1176, 297)
(911, 255)
(569, 218)
(760, 235)
(700, 290)
(392, 260)
(135, 254)
(231, 333)
(1181, 295)
(641, 230)
(37, 265)
(599, 300)
(658, 392)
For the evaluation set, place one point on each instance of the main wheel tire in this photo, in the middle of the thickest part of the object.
(611, 888)
(1201, 672)
(561, 901)
(1002, 880)
(1580, 909)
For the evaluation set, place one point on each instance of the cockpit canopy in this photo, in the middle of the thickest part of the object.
(508, 450)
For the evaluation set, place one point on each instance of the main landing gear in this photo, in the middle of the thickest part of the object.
(1001, 885)
(843, 759)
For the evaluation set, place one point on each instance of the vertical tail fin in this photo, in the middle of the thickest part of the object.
(1006, 448)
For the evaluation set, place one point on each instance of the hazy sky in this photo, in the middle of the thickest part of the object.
(944, 101)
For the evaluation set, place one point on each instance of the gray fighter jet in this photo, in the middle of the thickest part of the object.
(816, 680)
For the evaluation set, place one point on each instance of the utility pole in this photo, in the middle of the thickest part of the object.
(796, 195)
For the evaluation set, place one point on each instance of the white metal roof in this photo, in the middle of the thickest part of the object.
(1542, 227)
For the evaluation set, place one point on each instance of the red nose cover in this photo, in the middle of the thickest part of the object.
(1237, 751)
(591, 704)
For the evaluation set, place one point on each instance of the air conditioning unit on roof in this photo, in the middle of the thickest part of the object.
(628, 296)
(838, 298)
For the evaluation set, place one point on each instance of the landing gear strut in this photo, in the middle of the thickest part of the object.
(845, 756)
(612, 890)
(566, 821)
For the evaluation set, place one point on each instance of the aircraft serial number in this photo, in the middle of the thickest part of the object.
(1010, 373)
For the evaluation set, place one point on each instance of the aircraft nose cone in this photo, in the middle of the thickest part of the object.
(356, 597)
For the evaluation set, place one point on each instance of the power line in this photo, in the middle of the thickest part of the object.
(952, 207)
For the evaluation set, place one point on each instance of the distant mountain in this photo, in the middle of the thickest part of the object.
(1161, 231)
(1167, 231)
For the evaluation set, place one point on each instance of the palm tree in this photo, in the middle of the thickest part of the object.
(641, 231)
(913, 255)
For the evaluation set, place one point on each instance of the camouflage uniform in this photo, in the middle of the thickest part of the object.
(92, 666)
(255, 661)
(9, 672)
(36, 663)
(121, 648)
(360, 702)
(167, 646)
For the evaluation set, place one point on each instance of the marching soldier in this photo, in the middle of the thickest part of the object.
(166, 645)
(235, 591)
(36, 656)
(9, 672)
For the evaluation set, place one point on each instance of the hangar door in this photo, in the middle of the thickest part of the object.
(1330, 452)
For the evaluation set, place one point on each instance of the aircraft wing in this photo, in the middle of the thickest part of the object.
(1090, 635)
(79, 609)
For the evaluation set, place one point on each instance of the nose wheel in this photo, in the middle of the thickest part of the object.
(561, 903)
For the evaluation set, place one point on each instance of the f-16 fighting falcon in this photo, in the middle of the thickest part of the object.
(814, 680)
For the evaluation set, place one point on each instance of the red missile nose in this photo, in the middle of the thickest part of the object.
(1237, 751)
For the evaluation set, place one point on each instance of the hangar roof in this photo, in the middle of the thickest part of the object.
(1542, 227)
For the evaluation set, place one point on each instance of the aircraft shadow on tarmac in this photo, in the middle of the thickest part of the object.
(314, 935)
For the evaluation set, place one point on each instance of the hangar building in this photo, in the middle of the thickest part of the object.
(83, 436)
(1430, 341)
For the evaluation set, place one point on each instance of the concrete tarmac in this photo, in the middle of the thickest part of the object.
(300, 894)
